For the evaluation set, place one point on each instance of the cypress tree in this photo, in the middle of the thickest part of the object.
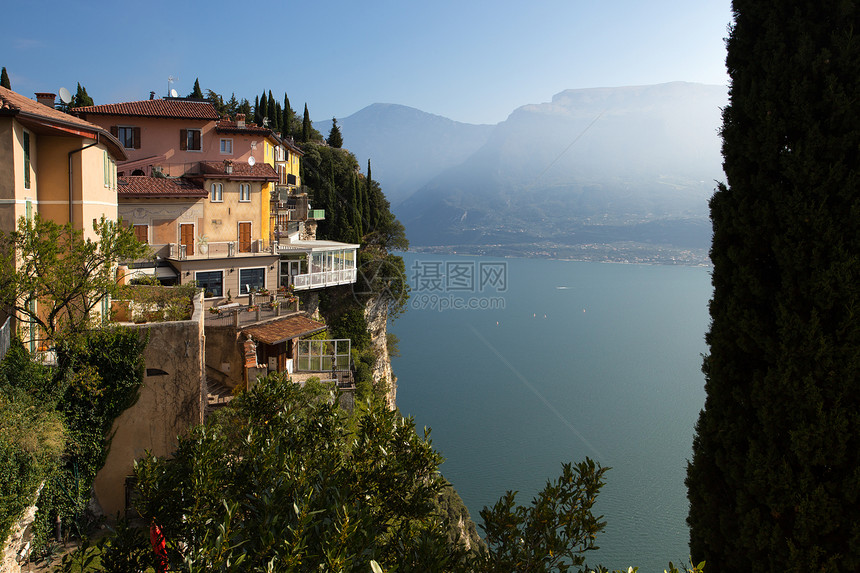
(279, 118)
(774, 481)
(196, 93)
(258, 117)
(289, 114)
(81, 98)
(355, 208)
(264, 108)
(335, 139)
(306, 126)
(270, 112)
(4, 79)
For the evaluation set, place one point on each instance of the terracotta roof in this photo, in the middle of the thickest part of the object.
(12, 103)
(285, 329)
(143, 186)
(167, 108)
(228, 126)
(241, 170)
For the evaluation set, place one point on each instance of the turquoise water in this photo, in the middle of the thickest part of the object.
(554, 361)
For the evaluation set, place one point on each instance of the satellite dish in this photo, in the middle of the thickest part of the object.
(174, 93)
(251, 161)
(65, 96)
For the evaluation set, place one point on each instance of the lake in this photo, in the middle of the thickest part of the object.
(519, 365)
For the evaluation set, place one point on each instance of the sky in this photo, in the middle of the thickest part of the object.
(468, 60)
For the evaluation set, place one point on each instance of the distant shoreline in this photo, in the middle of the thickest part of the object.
(623, 253)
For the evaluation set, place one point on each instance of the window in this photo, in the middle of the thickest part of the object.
(217, 193)
(141, 233)
(110, 170)
(26, 160)
(251, 279)
(212, 282)
(189, 140)
(244, 192)
(227, 146)
(129, 137)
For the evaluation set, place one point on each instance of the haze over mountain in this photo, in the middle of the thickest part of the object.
(629, 165)
(406, 147)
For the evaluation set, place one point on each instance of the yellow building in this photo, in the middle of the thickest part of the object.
(57, 165)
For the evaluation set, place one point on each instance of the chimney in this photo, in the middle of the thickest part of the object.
(240, 120)
(46, 98)
(151, 95)
(228, 166)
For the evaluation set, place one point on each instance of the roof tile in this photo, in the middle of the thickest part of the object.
(280, 330)
(143, 186)
(166, 108)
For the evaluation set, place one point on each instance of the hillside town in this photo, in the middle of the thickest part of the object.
(220, 203)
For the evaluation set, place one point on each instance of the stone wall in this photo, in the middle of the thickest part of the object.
(18, 539)
(172, 399)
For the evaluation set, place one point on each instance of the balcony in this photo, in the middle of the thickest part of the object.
(323, 279)
(213, 250)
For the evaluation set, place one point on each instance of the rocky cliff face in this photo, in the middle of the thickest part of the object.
(376, 314)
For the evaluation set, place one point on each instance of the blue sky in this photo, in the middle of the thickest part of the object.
(471, 61)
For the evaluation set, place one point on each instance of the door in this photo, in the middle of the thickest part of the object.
(244, 237)
(186, 237)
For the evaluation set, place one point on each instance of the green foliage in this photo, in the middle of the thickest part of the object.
(81, 98)
(4, 79)
(554, 532)
(196, 92)
(274, 482)
(32, 437)
(101, 373)
(69, 275)
(335, 139)
(774, 476)
(162, 302)
(306, 126)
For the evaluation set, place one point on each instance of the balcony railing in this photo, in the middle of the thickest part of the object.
(323, 279)
(214, 250)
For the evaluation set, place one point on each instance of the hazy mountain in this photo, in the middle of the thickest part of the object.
(594, 165)
(406, 147)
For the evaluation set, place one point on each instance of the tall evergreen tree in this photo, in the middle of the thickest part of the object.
(81, 98)
(258, 117)
(270, 111)
(4, 79)
(335, 139)
(264, 108)
(279, 118)
(306, 126)
(245, 107)
(289, 115)
(196, 93)
(774, 480)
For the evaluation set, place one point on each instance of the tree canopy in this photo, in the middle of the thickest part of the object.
(196, 92)
(335, 139)
(4, 79)
(53, 277)
(774, 476)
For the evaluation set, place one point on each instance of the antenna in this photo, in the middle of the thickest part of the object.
(251, 161)
(170, 80)
(65, 96)
(265, 122)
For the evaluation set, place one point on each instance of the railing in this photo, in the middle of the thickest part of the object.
(5, 337)
(216, 250)
(324, 279)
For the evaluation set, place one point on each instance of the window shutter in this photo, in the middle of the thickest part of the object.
(114, 131)
(183, 139)
(137, 138)
(196, 139)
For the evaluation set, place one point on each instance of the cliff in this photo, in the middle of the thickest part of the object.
(376, 315)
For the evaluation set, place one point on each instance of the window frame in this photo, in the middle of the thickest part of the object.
(229, 141)
(189, 139)
(25, 144)
(243, 284)
(219, 194)
(244, 192)
(215, 294)
(133, 136)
